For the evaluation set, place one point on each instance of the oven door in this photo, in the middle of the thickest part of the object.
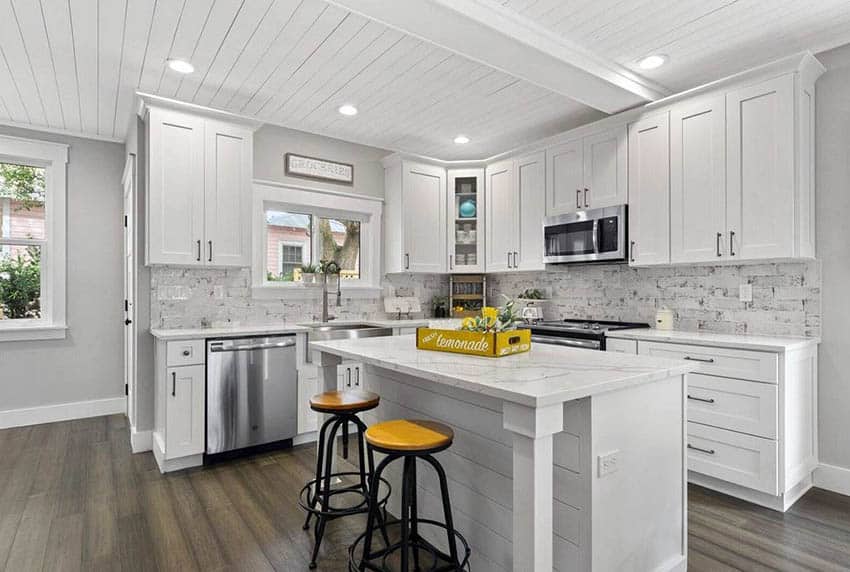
(587, 236)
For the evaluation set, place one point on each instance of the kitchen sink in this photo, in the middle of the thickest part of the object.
(324, 332)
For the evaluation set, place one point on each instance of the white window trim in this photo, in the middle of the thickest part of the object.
(54, 158)
(287, 197)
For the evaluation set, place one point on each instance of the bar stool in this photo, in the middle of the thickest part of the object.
(316, 496)
(409, 440)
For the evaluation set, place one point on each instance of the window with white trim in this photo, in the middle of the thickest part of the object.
(298, 228)
(32, 239)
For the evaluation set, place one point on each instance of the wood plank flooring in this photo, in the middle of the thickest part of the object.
(73, 497)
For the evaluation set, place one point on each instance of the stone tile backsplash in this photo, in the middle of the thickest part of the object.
(786, 296)
(185, 297)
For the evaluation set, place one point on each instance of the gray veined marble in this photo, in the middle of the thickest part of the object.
(543, 376)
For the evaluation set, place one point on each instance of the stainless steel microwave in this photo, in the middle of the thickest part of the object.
(593, 235)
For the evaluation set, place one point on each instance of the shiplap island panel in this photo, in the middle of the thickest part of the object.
(562, 458)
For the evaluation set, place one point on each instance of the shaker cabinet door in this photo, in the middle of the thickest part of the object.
(501, 216)
(175, 217)
(424, 188)
(185, 411)
(531, 204)
(565, 181)
(698, 181)
(649, 191)
(227, 191)
(606, 169)
(760, 170)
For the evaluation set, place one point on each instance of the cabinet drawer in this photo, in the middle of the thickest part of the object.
(745, 406)
(740, 364)
(621, 346)
(186, 352)
(734, 457)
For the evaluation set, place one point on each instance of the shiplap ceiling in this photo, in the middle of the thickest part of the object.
(704, 39)
(75, 65)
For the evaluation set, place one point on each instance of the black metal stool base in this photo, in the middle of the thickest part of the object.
(310, 501)
(437, 560)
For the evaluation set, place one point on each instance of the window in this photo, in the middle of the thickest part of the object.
(32, 239)
(299, 228)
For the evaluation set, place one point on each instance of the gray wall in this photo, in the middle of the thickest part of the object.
(271, 143)
(88, 364)
(833, 209)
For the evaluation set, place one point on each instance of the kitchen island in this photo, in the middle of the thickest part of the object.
(563, 458)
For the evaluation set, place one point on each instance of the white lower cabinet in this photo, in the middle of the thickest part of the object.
(179, 436)
(350, 376)
(184, 411)
(752, 419)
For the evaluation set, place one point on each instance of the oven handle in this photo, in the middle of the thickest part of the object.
(568, 342)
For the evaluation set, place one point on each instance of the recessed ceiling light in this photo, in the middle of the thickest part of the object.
(461, 139)
(348, 110)
(180, 66)
(652, 62)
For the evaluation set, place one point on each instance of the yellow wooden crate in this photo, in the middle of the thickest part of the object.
(474, 343)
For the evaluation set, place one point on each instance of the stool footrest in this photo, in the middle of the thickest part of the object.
(310, 497)
(440, 561)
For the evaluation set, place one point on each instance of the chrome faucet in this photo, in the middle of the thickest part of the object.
(329, 269)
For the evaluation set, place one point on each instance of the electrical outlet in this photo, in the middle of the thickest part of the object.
(745, 294)
(607, 463)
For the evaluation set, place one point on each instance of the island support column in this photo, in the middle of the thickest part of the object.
(532, 429)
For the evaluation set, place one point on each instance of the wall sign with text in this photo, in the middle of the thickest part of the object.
(318, 169)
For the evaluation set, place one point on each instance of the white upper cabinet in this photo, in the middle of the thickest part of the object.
(565, 189)
(175, 213)
(500, 206)
(698, 181)
(515, 209)
(760, 162)
(199, 190)
(606, 168)
(588, 173)
(415, 224)
(465, 200)
(227, 194)
(531, 198)
(649, 190)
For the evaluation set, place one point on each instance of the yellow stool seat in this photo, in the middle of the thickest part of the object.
(350, 401)
(409, 435)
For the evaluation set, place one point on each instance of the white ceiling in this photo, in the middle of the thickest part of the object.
(74, 65)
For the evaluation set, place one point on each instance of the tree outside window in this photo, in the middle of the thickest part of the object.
(22, 239)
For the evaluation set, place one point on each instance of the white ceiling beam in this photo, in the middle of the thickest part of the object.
(490, 34)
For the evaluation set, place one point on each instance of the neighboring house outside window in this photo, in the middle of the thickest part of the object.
(298, 227)
(32, 239)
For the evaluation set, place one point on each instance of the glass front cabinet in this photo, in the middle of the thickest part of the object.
(466, 220)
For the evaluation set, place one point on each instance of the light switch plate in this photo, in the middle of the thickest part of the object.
(745, 294)
(607, 463)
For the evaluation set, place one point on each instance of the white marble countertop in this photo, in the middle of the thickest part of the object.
(742, 341)
(268, 329)
(544, 376)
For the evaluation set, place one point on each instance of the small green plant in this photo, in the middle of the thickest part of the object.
(20, 285)
(309, 269)
(531, 294)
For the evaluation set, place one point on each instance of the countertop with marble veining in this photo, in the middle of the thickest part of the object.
(272, 329)
(546, 375)
(734, 341)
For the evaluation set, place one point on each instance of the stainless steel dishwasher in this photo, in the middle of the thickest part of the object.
(251, 392)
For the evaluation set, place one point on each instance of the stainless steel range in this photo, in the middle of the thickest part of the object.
(589, 334)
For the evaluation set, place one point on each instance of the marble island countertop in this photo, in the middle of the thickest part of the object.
(270, 329)
(742, 341)
(546, 375)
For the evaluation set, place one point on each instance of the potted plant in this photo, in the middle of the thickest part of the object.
(308, 273)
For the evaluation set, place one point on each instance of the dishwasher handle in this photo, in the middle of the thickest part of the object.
(220, 347)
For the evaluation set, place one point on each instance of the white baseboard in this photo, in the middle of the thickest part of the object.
(62, 412)
(141, 441)
(833, 478)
